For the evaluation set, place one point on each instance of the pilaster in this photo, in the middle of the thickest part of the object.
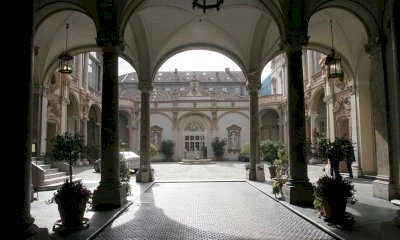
(383, 187)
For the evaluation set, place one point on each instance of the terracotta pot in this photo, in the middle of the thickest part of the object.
(72, 212)
(272, 171)
(334, 209)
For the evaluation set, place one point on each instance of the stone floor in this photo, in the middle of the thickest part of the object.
(214, 202)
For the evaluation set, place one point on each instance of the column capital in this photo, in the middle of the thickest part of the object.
(294, 39)
(253, 86)
(145, 86)
(328, 99)
(374, 44)
(108, 40)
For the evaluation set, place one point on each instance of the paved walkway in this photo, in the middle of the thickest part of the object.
(213, 201)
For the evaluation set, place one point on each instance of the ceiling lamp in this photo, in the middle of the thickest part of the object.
(207, 4)
(333, 63)
(65, 59)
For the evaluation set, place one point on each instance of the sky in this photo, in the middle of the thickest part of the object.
(193, 60)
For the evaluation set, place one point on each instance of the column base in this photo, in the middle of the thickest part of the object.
(104, 198)
(29, 229)
(383, 189)
(251, 175)
(298, 194)
(391, 230)
(145, 176)
(260, 175)
(356, 171)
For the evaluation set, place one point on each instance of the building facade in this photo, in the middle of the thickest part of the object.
(252, 33)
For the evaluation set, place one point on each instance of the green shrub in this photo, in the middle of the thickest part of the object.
(269, 150)
(167, 148)
(218, 146)
(245, 150)
(125, 174)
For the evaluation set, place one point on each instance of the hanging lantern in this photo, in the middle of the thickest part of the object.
(333, 63)
(65, 59)
(207, 4)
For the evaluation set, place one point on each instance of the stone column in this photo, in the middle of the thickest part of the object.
(21, 61)
(110, 193)
(145, 174)
(78, 68)
(131, 138)
(84, 130)
(256, 170)
(354, 131)
(298, 189)
(85, 71)
(330, 131)
(384, 186)
(175, 135)
(310, 67)
(43, 121)
(77, 125)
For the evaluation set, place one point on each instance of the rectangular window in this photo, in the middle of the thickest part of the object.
(237, 91)
(317, 58)
(93, 72)
(322, 128)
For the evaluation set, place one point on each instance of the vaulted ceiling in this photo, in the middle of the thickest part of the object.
(247, 31)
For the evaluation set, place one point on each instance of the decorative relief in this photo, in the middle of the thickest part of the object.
(194, 127)
(175, 119)
(53, 106)
(156, 136)
(342, 103)
(234, 138)
(214, 120)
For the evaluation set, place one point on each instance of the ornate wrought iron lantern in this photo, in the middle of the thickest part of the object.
(207, 4)
(65, 59)
(333, 63)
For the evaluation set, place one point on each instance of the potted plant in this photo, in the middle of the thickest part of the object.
(244, 153)
(204, 150)
(269, 152)
(282, 171)
(341, 149)
(218, 146)
(167, 148)
(331, 195)
(71, 197)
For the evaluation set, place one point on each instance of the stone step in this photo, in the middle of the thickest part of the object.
(39, 162)
(54, 180)
(54, 175)
(45, 166)
(51, 170)
(56, 185)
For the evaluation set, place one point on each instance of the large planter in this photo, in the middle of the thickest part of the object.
(72, 211)
(334, 209)
(272, 171)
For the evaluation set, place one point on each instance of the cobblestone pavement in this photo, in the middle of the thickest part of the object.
(208, 210)
(213, 201)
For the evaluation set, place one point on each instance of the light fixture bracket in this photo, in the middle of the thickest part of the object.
(207, 4)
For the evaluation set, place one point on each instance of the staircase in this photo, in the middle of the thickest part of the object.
(47, 176)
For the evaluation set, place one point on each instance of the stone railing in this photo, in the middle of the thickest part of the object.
(270, 99)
